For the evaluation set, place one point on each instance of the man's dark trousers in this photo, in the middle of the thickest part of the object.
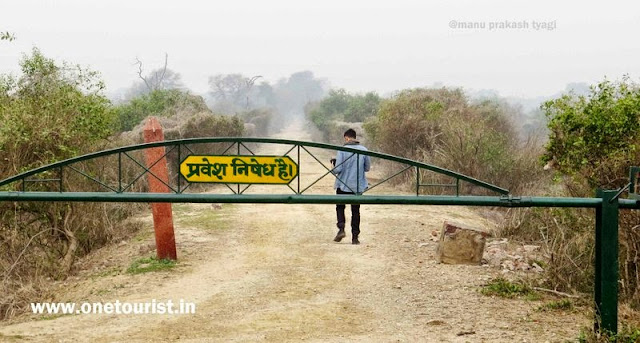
(355, 215)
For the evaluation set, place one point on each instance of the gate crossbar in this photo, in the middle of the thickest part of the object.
(497, 201)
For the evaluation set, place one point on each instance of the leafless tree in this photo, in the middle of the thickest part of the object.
(161, 78)
(233, 88)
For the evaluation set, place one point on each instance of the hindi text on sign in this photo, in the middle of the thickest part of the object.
(239, 169)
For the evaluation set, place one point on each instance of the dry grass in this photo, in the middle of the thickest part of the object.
(40, 242)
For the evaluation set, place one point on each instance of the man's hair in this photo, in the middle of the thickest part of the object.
(351, 133)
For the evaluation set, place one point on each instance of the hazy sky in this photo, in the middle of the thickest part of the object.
(357, 45)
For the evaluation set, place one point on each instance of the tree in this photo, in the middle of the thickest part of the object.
(266, 96)
(163, 103)
(342, 106)
(306, 85)
(297, 91)
(440, 126)
(595, 137)
(234, 92)
(362, 107)
(331, 114)
(158, 79)
(50, 112)
(410, 123)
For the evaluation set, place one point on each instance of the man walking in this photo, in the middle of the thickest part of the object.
(349, 169)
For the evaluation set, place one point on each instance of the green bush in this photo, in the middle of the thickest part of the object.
(557, 305)
(441, 127)
(260, 119)
(338, 110)
(595, 137)
(161, 103)
(211, 125)
(150, 264)
(626, 334)
(49, 113)
(507, 289)
(593, 141)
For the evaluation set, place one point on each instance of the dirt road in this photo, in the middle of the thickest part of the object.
(271, 273)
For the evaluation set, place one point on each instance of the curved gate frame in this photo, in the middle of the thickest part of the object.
(181, 147)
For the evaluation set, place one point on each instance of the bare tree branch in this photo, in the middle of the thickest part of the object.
(164, 70)
(250, 83)
(556, 292)
(139, 63)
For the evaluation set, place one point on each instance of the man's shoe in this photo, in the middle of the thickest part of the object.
(339, 236)
(355, 240)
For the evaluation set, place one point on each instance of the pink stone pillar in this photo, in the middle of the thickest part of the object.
(162, 213)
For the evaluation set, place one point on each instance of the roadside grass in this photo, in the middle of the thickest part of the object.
(626, 334)
(12, 338)
(557, 305)
(53, 316)
(150, 264)
(113, 271)
(144, 234)
(184, 215)
(539, 262)
(503, 288)
(207, 219)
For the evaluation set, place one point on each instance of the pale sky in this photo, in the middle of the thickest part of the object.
(357, 45)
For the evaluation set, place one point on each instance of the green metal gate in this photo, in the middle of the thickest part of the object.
(47, 184)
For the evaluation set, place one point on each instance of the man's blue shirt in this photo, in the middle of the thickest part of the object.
(350, 169)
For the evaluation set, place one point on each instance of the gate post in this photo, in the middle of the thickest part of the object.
(162, 213)
(606, 278)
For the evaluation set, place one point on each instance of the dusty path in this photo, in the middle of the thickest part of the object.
(270, 273)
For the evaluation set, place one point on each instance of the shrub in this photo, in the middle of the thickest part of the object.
(592, 143)
(507, 289)
(441, 127)
(50, 113)
(150, 264)
(595, 137)
(340, 111)
(557, 305)
(161, 103)
(260, 119)
(626, 334)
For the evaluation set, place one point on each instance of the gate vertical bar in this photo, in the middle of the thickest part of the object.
(358, 174)
(417, 181)
(234, 169)
(178, 169)
(120, 172)
(299, 174)
(60, 179)
(606, 279)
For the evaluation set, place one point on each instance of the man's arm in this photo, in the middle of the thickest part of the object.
(338, 166)
(367, 163)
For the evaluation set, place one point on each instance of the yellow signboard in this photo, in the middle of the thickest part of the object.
(239, 169)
